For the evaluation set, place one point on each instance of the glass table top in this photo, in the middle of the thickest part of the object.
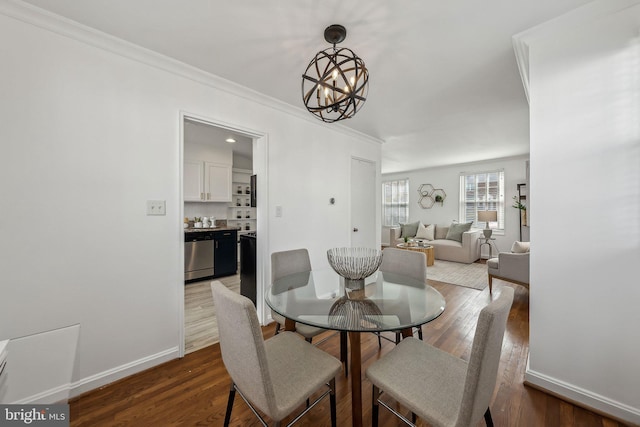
(387, 302)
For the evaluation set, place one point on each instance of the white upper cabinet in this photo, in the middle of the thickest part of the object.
(193, 181)
(206, 181)
(217, 182)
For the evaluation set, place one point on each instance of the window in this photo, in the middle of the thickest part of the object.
(479, 192)
(395, 202)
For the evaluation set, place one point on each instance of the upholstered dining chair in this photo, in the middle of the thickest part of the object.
(275, 376)
(438, 387)
(285, 263)
(407, 263)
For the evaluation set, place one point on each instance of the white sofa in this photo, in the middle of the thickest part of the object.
(466, 251)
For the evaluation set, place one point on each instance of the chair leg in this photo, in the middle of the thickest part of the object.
(397, 338)
(332, 401)
(490, 283)
(277, 328)
(343, 352)
(309, 341)
(419, 334)
(232, 395)
(487, 418)
(414, 418)
(375, 408)
(379, 341)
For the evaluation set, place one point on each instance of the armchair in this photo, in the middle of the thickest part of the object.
(511, 266)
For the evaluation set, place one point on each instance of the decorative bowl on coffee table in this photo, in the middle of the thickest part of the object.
(354, 264)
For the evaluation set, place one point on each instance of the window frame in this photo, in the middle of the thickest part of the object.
(395, 205)
(490, 199)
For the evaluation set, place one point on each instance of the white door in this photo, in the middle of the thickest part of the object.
(363, 203)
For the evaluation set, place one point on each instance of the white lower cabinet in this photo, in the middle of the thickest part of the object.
(206, 181)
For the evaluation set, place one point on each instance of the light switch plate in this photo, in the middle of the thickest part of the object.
(156, 207)
(278, 211)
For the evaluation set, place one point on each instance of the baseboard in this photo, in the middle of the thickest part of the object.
(55, 395)
(583, 398)
(122, 371)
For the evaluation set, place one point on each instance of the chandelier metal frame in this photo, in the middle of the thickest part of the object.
(336, 81)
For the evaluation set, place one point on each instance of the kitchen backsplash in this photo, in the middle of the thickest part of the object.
(216, 210)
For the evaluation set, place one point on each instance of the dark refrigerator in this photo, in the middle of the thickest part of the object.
(248, 266)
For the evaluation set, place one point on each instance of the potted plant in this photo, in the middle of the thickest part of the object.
(523, 209)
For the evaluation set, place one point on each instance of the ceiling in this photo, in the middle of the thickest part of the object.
(444, 86)
(201, 133)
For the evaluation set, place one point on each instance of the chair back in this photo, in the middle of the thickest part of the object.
(242, 346)
(482, 371)
(289, 262)
(404, 262)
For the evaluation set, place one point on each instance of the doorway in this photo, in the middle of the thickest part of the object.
(209, 141)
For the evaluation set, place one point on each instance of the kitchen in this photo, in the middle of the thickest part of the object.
(220, 217)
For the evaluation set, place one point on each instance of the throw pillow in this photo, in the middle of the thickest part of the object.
(409, 230)
(441, 232)
(426, 232)
(520, 247)
(456, 230)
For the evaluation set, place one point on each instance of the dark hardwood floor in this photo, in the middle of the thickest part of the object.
(193, 391)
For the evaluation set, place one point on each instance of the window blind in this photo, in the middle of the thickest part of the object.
(395, 202)
(483, 191)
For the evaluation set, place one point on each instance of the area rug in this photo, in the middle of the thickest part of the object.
(468, 275)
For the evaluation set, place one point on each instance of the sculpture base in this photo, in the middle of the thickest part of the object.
(354, 284)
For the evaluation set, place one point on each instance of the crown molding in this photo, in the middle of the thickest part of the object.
(547, 30)
(521, 49)
(49, 21)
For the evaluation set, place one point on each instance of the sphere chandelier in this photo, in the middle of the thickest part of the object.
(336, 81)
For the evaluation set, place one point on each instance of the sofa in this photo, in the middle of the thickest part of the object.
(446, 245)
(511, 266)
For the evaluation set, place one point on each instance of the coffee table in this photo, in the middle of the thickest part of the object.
(427, 250)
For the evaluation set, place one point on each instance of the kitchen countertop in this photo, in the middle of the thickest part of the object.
(199, 230)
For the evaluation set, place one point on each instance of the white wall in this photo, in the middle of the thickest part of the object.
(88, 136)
(585, 181)
(448, 178)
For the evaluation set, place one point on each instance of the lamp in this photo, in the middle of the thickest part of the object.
(487, 216)
(336, 81)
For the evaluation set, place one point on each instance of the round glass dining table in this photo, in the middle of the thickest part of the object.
(388, 302)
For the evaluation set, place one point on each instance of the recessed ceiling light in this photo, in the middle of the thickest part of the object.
(230, 140)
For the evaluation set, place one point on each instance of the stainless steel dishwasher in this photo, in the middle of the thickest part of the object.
(198, 255)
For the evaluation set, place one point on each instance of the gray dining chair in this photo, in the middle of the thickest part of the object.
(275, 376)
(407, 263)
(438, 387)
(286, 263)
